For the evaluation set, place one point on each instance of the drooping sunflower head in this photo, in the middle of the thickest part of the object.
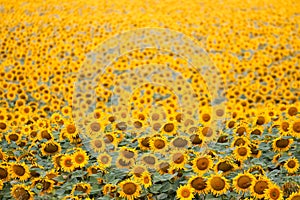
(137, 170)
(144, 143)
(225, 166)
(163, 167)
(129, 189)
(4, 173)
(128, 153)
(82, 188)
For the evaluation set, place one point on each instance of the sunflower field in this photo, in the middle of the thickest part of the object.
(149, 100)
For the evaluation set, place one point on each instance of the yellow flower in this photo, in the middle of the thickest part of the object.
(291, 165)
(19, 170)
(81, 187)
(66, 163)
(281, 144)
(243, 182)
(242, 153)
(202, 164)
(146, 179)
(80, 158)
(259, 186)
(158, 144)
(50, 148)
(199, 184)
(20, 191)
(129, 189)
(273, 193)
(218, 184)
(104, 160)
(294, 196)
(178, 159)
(185, 192)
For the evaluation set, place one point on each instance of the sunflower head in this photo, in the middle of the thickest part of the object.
(291, 165)
(129, 189)
(202, 164)
(185, 192)
(199, 184)
(218, 184)
(243, 182)
(273, 192)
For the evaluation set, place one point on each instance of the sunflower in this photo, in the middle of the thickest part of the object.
(158, 144)
(178, 159)
(50, 148)
(56, 161)
(149, 160)
(185, 192)
(66, 163)
(104, 160)
(242, 153)
(218, 184)
(225, 166)
(4, 173)
(3, 155)
(145, 179)
(294, 196)
(94, 129)
(169, 128)
(199, 184)
(163, 167)
(129, 189)
(43, 184)
(291, 165)
(259, 186)
(202, 164)
(19, 170)
(243, 182)
(82, 188)
(281, 144)
(20, 191)
(144, 143)
(111, 139)
(207, 133)
(13, 136)
(295, 127)
(273, 193)
(94, 169)
(128, 154)
(69, 130)
(97, 144)
(137, 170)
(241, 128)
(123, 164)
(196, 139)
(180, 142)
(240, 140)
(257, 130)
(80, 158)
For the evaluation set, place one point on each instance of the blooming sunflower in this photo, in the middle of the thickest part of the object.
(295, 127)
(149, 160)
(180, 142)
(3, 155)
(50, 148)
(281, 144)
(218, 184)
(185, 192)
(169, 128)
(225, 165)
(240, 140)
(104, 160)
(97, 144)
(80, 158)
(243, 182)
(20, 191)
(259, 186)
(158, 144)
(294, 196)
(163, 167)
(145, 179)
(19, 170)
(82, 188)
(242, 153)
(291, 165)
(144, 143)
(178, 159)
(109, 188)
(4, 173)
(66, 163)
(273, 193)
(56, 161)
(43, 184)
(128, 154)
(202, 164)
(129, 189)
(199, 184)
(138, 170)
(123, 164)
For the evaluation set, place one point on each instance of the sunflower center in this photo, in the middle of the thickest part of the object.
(149, 159)
(146, 179)
(46, 185)
(13, 137)
(217, 183)
(121, 126)
(292, 111)
(159, 143)
(207, 132)
(220, 112)
(202, 163)
(71, 128)
(185, 193)
(231, 124)
(242, 151)
(51, 148)
(79, 158)
(68, 163)
(179, 142)
(291, 164)
(19, 170)
(21, 193)
(285, 126)
(195, 139)
(178, 158)
(138, 171)
(164, 166)
(138, 124)
(129, 188)
(296, 127)
(155, 116)
(104, 159)
(156, 126)
(274, 193)
(128, 154)
(282, 143)
(98, 143)
(3, 173)
(260, 186)
(198, 183)
(179, 117)
(2, 125)
(244, 182)
(256, 132)
(80, 188)
(206, 117)
(239, 141)
(241, 131)
(145, 142)
(46, 135)
(95, 126)
(260, 120)
(169, 127)
(224, 166)
(108, 138)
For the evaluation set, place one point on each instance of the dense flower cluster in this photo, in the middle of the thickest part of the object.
(131, 137)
